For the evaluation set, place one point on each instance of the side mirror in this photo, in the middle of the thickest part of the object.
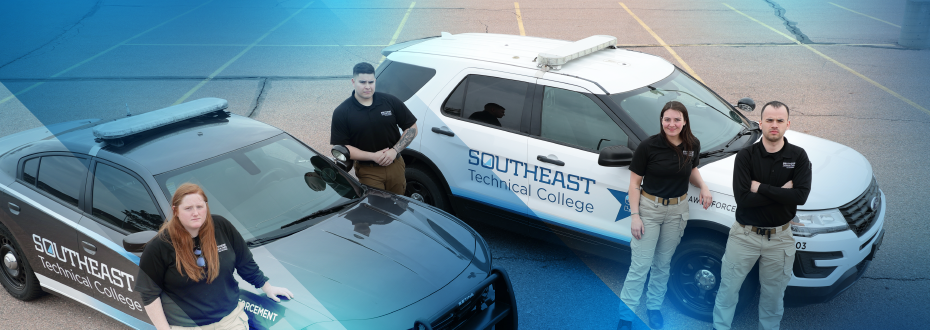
(341, 153)
(341, 157)
(135, 243)
(746, 104)
(615, 156)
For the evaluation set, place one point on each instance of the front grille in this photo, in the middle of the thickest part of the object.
(465, 309)
(859, 213)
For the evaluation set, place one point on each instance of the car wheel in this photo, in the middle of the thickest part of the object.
(422, 186)
(16, 274)
(695, 278)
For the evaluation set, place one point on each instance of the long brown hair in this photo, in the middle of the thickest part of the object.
(687, 138)
(183, 243)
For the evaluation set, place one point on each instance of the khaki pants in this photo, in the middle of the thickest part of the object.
(652, 253)
(390, 178)
(236, 320)
(776, 259)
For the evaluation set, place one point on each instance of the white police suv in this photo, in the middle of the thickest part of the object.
(535, 135)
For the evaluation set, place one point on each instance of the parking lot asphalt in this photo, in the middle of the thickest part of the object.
(287, 63)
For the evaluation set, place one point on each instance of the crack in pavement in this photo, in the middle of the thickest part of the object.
(898, 278)
(790, 25)
(485, 25)
(258, 99)
(60, 37)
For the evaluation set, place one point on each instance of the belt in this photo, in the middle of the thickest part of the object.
(664, 201)
(766, 231)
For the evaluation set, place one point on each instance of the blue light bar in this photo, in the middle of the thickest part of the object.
(158, 118)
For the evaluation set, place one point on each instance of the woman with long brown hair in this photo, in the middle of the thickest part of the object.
(662, 166)
(186, 271)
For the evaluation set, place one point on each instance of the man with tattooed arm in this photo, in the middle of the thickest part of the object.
(369, 124)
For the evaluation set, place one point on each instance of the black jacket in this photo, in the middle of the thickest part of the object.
(772, 206)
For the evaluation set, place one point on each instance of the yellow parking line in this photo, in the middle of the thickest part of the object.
(5, 99)
(399, 28)
(662, 42)
(516, 5)
(225, 65)
(880, 20)
(873, 82)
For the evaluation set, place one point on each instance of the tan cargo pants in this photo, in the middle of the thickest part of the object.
(776, 259)
(390, 178)
(652, 253)
(236, 320)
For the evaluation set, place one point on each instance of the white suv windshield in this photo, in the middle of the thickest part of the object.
(713, 122)
(265, 186)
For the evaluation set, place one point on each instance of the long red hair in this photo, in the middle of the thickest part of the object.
(183, 243)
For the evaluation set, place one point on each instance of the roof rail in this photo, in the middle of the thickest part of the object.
(555, 58)
(154, 119)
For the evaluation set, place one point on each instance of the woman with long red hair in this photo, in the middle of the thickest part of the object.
(186, 271)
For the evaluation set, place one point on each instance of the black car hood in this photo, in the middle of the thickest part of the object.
(380, 255)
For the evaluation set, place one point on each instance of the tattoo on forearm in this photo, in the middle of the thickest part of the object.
(405, 140)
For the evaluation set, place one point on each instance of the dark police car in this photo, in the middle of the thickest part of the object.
(80, 199)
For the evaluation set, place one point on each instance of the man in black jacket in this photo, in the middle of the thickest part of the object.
(770, 179)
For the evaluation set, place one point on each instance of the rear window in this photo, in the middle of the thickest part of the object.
(401, 79)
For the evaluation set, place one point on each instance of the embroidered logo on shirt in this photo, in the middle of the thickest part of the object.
(788, 164)
(386, 113)
(221, 248)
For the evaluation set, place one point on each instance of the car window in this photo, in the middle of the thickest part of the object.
(262, 187)
(31, 171)
(713, 122)
(122, 201)
(402, 80)
(62, 177)
(573, 118)
(488, 100)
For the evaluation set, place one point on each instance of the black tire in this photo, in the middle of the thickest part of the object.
(18, 280)
(692, 257)
(423, 186)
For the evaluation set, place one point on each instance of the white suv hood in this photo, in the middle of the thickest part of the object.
(840, 173)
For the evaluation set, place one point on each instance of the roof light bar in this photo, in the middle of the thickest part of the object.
(554, 58)
(158, 118)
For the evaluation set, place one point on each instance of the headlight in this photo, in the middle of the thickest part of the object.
(818, 222)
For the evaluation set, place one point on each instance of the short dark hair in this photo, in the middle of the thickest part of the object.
(775, 104)
(362, 68)
(493, 106)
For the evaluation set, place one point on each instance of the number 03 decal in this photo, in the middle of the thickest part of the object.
(800, 245)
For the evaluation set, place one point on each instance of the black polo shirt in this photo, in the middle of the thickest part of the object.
(370, 128)
(665, 173)
(772, 206)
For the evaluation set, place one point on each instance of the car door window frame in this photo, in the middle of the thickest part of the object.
(20, 167)
(527, 105)
(536, 119)
(88, 208)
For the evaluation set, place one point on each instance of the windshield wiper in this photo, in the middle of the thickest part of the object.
(328, 210)
(742, 133)
(657, 90)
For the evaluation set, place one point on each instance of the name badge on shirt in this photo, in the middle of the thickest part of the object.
(788, 164)
(386, 113)
(688, 153)
(221, 248)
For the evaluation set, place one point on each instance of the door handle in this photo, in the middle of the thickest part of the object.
(89, 248)
(443, 131)
(14, 208)
(545, 159)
